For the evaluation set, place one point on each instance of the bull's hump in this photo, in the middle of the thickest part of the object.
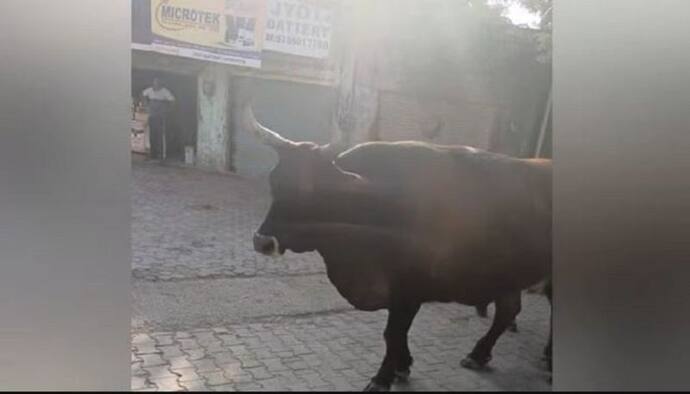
(383, 160)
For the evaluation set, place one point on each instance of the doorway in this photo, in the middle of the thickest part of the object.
(181, 128)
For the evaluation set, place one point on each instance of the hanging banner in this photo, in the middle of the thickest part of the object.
(223, 31)
(299, 27)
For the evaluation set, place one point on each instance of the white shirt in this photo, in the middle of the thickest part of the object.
(160, 94)
(158, 100)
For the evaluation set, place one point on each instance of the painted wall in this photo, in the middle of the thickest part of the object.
(480, 81)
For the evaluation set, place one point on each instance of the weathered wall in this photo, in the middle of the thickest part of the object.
(212, 131)
(444, 122)
(387, 90)
(470, 74)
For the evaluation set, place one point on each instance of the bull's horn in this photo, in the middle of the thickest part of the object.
(266, 135)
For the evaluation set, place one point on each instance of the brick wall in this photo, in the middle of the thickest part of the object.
(403, 117)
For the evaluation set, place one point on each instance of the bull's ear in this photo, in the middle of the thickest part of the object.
(263, 133)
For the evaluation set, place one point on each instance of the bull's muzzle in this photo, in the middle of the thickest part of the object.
(266, 245)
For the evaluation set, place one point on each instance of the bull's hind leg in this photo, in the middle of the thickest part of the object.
(397, 361)
(482, 311)
(507, 308)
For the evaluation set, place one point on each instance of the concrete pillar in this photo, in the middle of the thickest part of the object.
(213, 124)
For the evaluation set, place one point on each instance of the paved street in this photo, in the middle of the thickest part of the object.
(211, 314)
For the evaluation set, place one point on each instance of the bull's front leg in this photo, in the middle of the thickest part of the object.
(398, 360)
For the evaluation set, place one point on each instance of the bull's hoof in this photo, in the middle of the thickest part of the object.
(471, 363)
(373, 386)
(402, 376)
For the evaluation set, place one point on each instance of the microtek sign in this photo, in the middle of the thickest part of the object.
(172, 17)
(223, 31)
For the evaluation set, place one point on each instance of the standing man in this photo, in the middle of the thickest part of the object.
(159, 100)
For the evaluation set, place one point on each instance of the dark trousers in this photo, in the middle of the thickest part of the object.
(156, 132)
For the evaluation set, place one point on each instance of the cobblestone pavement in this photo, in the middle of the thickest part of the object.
(188, 223)
(339, 352)
(192, 226)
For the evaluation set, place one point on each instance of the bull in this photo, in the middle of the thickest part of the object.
(400, 224)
